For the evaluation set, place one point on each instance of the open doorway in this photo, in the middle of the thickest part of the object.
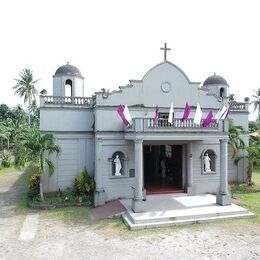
(163, 168)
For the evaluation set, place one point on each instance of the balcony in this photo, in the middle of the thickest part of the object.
(66, 101)
(147, 125)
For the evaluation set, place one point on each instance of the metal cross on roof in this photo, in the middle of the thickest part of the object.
(165, 49)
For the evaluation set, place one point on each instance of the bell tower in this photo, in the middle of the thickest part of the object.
(68, 82)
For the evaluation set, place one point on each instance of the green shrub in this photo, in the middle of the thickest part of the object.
(84, 184)
(34, 186)
(68, 194)
(34, 180)
(33, 193)
(6, 162)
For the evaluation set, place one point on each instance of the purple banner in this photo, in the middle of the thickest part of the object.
(186, 112)
(207, 121)
(156, 116)
(120, 111)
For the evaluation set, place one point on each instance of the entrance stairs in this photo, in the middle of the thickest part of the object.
(181, 210)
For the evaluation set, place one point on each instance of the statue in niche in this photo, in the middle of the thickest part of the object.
(207, 163)
(118, 166)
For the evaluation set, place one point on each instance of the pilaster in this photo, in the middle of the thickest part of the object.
(99, 196)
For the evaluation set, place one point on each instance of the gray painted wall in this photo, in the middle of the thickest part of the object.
(77, 151)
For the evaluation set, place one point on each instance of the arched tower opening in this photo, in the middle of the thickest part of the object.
(222, 92)
(68, 88)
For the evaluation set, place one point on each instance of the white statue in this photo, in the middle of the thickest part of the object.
(163, 168)
(118, 166)
(207, 163)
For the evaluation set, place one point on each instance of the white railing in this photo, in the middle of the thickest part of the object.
(74, 101)
(147, 125)
(238, 105)
(178, 123)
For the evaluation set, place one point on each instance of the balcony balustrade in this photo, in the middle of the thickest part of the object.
(68, 101)
(239, 106)
(147, 125)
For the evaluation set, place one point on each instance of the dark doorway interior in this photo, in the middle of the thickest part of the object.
(162, 168)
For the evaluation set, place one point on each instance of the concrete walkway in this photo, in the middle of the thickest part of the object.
(169, 209)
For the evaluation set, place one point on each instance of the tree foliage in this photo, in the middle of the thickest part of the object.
(34, 147)
(256, 103)
(25, 88)
(253, 156)
(235, 139)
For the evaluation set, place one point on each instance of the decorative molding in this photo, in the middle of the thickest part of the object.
(166, 87)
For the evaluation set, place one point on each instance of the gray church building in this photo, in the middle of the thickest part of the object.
(144, 157)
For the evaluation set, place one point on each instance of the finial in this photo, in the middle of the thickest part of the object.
(68, 63)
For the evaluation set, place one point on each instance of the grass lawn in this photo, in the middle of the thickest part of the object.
(256, 177)
(250, 196)
(12, 168)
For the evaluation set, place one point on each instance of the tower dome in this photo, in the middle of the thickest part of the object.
(68, 70)
(215, 80)
(216, 85)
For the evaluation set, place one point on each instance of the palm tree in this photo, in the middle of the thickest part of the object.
(235, 140)
(25, 88)
(256, 103)
(253, 156)
(34, 149)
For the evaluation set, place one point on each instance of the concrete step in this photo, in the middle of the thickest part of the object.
(191, 220)
(181, 215)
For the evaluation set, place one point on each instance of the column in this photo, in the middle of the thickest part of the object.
(99, 196)
(139, 169)
(223, 198)
(138, 197)
(189, 169)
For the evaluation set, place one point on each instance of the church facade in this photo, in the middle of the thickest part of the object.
(145, 157)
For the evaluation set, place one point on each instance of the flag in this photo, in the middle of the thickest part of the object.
(156, 116)
(198, 115)
(220, 113)
(226, 113)
(186, 112)
(170, 114)
(216, 117)
(125, 115)
(208, 119)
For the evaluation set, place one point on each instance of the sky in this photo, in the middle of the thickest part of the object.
(114, 41)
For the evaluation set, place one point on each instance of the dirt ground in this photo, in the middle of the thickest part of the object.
(57, 239)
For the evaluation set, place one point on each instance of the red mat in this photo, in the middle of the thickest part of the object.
(162, 190)
(108, 210)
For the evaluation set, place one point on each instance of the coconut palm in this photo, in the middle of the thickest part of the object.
(256, 103)
(25, 87)
(34, 148)
(235, 140)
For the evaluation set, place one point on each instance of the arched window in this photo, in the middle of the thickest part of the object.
(208, 162)
(118, 164)
(68, 88)
(221, 92)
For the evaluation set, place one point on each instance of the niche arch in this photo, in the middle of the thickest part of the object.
(122, 156)
(208, 161)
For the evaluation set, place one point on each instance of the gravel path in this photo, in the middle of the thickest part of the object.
(58, 240)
